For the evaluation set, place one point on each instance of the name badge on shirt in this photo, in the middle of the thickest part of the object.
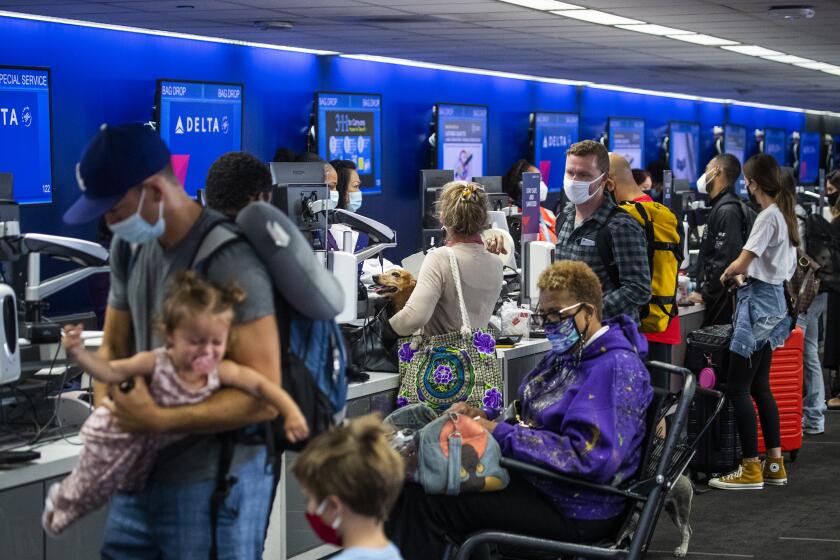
(586, 242)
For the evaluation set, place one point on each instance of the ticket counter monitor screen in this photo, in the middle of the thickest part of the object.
(461, 133)
(684, 156)
(809, 158)
(349, 126)
(25, 138)
(552, 134)
(775, 144)
(627, 138)
(735, 143)
(199, 121)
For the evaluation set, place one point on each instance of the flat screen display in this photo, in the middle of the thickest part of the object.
(462, 139)
(775, 144)
(553, 135)
(684, 145)
(199, 121)
(25, 139)
(627, 138)
(735, 143)
(349, 127)
(809, 158)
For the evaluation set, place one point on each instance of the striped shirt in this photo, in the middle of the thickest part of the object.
(629, 249)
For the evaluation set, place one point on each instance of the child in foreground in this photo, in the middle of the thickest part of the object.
(197, 317)
(351, 478)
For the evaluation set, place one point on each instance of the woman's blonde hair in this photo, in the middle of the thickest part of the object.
(355, 463)
(463, 208)
(575, 278)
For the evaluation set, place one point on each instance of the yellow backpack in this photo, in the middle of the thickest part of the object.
(664, 235)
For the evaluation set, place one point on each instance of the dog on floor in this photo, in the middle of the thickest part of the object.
(396, 285)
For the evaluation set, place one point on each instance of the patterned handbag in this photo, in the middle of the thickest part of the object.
(442, 370)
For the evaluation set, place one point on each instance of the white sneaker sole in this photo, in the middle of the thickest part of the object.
(776, 482)
(735, 486)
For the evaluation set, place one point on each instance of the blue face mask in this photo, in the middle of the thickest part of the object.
(136, 230)
(563, 336)
(355, 201)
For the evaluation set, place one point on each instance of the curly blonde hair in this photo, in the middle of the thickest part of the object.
(575, 278)
(463, 208)
(189, 294)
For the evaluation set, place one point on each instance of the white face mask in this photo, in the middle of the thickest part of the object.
(578, 191)
(543, 191)
(703, 184)
(333, 199)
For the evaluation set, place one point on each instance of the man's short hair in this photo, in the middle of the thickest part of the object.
(234, 180)
(592, 148)
(730, 166)
(656, 168)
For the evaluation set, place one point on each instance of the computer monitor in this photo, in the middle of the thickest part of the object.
(810, 144)
(496, 199)
(735, 143)
(26, 132)
(627, 138)
(552, 134)
(431, 184)
(348, 126)
(775, 144)
(293, 173)
(199, 121)
(461, 136)
(684, 154)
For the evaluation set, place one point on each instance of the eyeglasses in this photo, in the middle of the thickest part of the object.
(540, 319)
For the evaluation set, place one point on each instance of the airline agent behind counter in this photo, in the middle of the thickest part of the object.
(512, 186)
(346, 196)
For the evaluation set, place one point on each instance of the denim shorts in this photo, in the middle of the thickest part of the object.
(761, 316)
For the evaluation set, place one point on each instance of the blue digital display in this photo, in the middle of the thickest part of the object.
(775, 144)
(735, 143)
(199, 121)
(25, 140)
(627, 139)
(684, 146)
(462, 139)
(349, 127)
(554, 133)
(809, 158)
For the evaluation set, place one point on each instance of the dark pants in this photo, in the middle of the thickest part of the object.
(419, 523)
(659, 352)
(750, 377)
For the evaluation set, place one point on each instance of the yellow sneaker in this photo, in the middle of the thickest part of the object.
(746, 477)
(773, 471)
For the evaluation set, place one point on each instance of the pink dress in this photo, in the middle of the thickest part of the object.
(115, 461)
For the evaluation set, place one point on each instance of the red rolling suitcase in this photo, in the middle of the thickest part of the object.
(786, 372)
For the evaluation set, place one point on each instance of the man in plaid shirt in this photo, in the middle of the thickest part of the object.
(587, 171)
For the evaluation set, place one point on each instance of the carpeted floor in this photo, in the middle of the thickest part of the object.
(797, 521)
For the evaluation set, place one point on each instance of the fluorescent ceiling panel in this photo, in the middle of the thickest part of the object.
(816, 66)
(651, 29)
(596, 16)
(751, 50)
(789, 59)
(543, 4)
(705, 40)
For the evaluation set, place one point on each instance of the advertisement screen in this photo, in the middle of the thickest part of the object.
(25, 142)
(553, 134)
(199, 121)
(349, 127)
(775, 144)
(809, 158)
(462, 139)
(627, 138)
(685, 151)
(735, 143)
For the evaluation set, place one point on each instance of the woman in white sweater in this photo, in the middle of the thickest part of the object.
(433, 306)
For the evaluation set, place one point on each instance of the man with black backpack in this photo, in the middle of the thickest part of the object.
(125, 175)
(727, 229)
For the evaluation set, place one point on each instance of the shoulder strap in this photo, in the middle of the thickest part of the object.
(605, 251)
(219, 235)
(456, 276)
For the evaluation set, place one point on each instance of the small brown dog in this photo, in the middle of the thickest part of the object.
(397, 286)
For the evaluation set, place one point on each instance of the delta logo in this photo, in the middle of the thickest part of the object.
(202, 125)
(9, 116)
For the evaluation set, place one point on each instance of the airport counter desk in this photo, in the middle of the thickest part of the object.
(22, 489)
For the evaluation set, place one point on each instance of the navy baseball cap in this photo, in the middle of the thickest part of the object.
(118, 158)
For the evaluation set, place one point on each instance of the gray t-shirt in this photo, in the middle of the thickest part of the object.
(142, 294)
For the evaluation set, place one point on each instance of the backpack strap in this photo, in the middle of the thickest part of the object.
(605, 250)
(221, 233)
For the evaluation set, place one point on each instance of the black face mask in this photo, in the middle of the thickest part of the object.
(832, 198)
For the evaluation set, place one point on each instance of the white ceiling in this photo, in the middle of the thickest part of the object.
(497, 36)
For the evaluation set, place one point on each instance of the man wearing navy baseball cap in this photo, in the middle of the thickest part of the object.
(125, 175)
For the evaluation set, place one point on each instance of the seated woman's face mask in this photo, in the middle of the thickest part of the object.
(564, 334)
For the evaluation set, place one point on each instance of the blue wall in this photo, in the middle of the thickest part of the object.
(100, 75)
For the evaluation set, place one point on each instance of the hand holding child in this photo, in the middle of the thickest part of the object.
(72, 340)
(295, 426)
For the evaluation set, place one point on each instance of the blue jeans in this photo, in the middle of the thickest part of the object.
(172, 521)
(813, 410)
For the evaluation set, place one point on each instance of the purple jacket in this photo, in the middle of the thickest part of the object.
(588, 422)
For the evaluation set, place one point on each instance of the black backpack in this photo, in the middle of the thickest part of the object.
(824, 248)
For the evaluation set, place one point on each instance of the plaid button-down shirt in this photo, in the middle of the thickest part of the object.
(629, 249)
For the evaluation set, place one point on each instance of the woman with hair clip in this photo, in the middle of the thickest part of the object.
(761, 323)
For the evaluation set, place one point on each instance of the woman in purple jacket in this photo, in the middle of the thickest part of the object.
(581, 412)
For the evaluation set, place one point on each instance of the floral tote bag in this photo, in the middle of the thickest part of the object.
(442, 370)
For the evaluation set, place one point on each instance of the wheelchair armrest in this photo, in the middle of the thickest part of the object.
(533, 470)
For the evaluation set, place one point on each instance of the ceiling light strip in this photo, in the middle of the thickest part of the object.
(543, 5)
(159, 33)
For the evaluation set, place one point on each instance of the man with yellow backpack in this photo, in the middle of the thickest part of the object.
(660, 322)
